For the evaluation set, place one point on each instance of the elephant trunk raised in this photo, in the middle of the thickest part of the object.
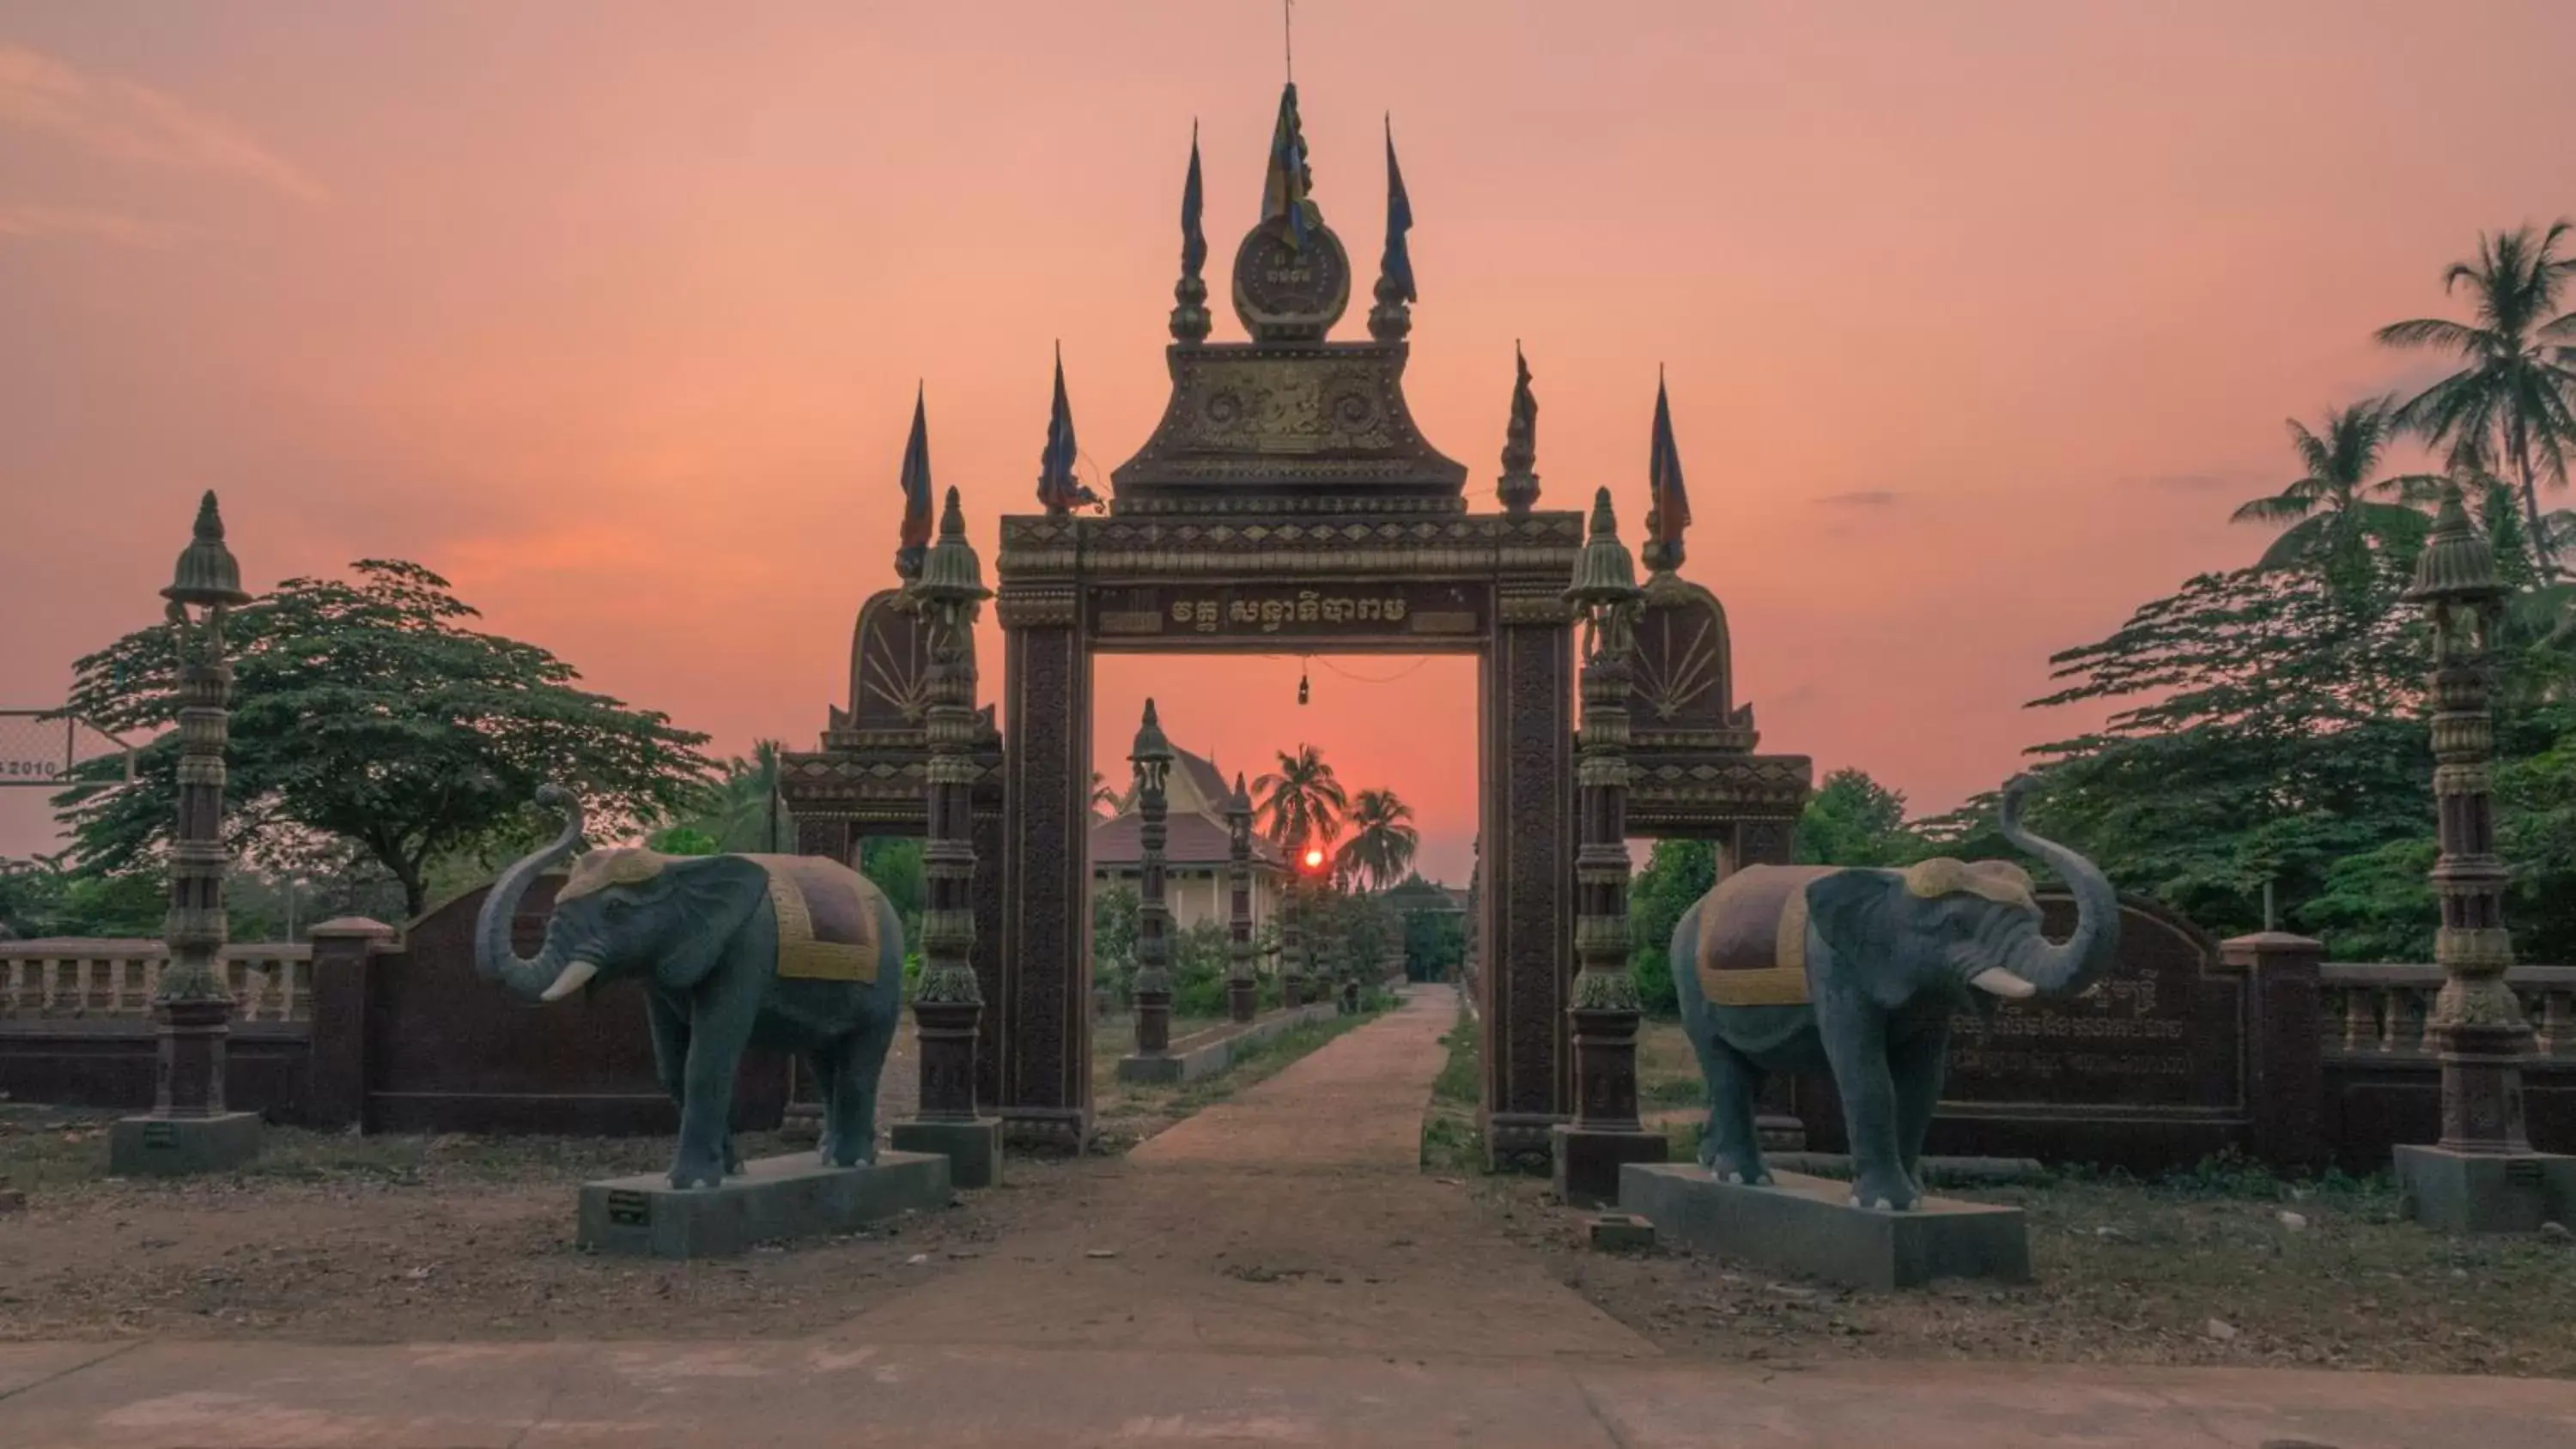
(2036, 965)
(550, 976)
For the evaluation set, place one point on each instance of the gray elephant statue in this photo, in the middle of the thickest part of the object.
(1856, 971)
(782, 952)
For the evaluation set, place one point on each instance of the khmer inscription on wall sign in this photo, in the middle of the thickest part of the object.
(2158, 1031)
(1380, 609)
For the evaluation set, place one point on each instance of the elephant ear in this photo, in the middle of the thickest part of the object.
(707, 899)
(1858, 915)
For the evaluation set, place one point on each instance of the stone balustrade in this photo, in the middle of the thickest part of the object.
(2375, 1010)
(115, 979)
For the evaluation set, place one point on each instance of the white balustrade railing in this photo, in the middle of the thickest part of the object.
(114, 980)
(2380, 1010)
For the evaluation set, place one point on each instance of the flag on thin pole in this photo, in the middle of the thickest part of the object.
(1397, 264)
(916, 484)
(1058, 490)
(1283, 188)
(1193, 239)
(1664, 475)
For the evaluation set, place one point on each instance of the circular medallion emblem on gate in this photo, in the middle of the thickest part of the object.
(1289, 288)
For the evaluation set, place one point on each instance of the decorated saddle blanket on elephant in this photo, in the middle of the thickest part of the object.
(1753, 936)
(827, 918)
(1753, 929)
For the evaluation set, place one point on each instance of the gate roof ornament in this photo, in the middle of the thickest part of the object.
(1289, 419)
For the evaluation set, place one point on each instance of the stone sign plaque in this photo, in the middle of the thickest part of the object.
(2158, 1031)
(1182, 613)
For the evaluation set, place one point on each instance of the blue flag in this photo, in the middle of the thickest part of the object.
(1664, 477)
(1058, 489)
(1283, 189)
(916, 480)
(1193, 240)
(1397, 264)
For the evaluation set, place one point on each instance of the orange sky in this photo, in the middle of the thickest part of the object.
(1978, 317)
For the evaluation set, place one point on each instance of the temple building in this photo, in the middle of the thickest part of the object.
(1197, 848)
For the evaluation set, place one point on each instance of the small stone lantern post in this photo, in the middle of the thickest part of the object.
(1242, 997)
(1605, 1132)
(946, 1006)
(2482, 1176)
(188, 1129)
(1152, 758)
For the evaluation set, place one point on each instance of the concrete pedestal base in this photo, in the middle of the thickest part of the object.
(1808, 1225)
(1587, 1162)
(973, 1149)
(775, 1198)
(181, 1146)
(2465, 1192)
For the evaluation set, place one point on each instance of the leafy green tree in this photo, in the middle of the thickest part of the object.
(1677, 873)
(1435, 942)
(2333, 515)
(684, 840)
(371, 712)
(1113, 938)
(1852, 819)
(894, 864)
(2513, 401)
(1383, 839)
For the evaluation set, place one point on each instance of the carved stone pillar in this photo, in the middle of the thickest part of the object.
(1242, 997)
(949, 1000)
(1152, 760)
(188, 1129)
(1292, 942)
(1605, 1133)
(2482, 1176)
(1526, 934)
(1046, 920)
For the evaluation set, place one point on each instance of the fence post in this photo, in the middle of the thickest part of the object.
(335, 1083)
(2284, 1055)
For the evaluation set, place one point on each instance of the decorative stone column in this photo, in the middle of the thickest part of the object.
(1242, 996)
(1292, 937)
(188, 1129)
(1605, 1132)
(2482, 1176)
(948, 1004)
(1152, 760)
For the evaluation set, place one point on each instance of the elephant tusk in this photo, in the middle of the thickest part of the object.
(1995, 979)
(572, 979)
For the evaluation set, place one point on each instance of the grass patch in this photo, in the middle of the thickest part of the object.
(1126, 1113)
(1451, 1141)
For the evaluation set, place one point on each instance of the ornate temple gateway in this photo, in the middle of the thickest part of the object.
(1288, 503)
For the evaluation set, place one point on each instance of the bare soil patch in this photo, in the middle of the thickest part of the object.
(343, 1238)
(2224, 1266)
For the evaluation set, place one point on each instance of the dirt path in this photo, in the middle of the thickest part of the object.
(1292, 1218)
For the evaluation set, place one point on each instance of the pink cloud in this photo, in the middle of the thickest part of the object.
(136, 123)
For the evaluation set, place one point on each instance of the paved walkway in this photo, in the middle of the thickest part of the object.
(1273, 1271)
(1291, 1218)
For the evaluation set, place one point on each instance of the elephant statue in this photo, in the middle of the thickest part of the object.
(1793, 968)
(785, 952)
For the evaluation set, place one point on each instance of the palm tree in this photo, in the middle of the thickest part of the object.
(743, 810)
(2514, 400)
(1103, 797)
(1382, 839)
(1301, 802)
(2337, 511)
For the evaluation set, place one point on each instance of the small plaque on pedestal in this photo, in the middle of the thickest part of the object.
(774, 1199)
(1808, 1225)
(181, 1146)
